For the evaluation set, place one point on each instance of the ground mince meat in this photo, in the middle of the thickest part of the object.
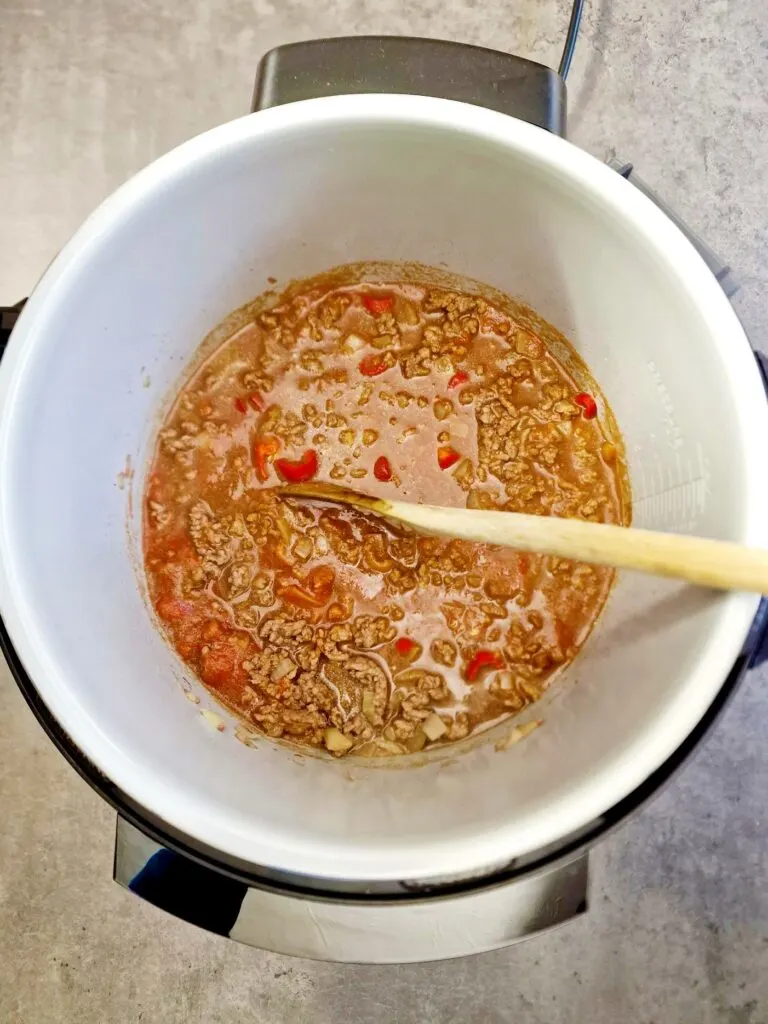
(329, 627)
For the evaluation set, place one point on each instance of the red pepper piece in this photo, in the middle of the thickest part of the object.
(588, 405)
(372, 365)
(404, 645)
(264, 450)
(256, 401)
(459, 378)
(523, 564)
(447, 457)
(297, 471)
(382, 469)
(240, 405)
(377, 304)
(480, 661)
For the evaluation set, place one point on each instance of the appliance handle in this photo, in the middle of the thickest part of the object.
(410, 65)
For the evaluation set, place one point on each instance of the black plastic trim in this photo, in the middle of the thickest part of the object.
(422, 67)
(8, 317)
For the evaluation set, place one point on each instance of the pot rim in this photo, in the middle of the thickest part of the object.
(590, 797)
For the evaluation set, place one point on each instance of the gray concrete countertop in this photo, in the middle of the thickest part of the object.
(678, 931)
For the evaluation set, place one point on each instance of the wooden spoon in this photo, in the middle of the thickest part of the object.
(709, 563)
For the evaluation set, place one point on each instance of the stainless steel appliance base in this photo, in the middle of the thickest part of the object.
(349, 931)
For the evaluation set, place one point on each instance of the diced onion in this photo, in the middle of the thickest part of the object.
(353, 343)
(409, 315)
(303, 548)
(285, 668)
(390, 747)
(416, 742)
(434, 727)
(368, 705)
(517, 733)
(284, 530)
(213, 720)
(336, 741)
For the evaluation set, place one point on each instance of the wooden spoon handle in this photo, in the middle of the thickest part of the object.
(710, 563)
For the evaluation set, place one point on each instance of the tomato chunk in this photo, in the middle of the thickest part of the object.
(300, 596)
(320, 581)
(382, 469)
(459, 378)
(297, 471)
(447, 457)
(218, 664)
(372, 365)
(404, 645)
(313, 592)
(174, 609)
(377, 304)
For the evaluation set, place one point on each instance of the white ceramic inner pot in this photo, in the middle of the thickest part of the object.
(290, 192)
